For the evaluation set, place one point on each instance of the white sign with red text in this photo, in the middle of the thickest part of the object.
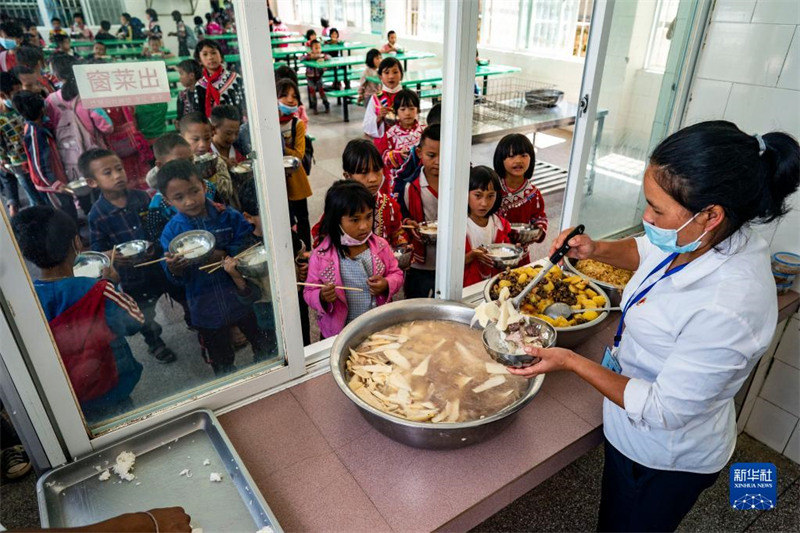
(122, 84)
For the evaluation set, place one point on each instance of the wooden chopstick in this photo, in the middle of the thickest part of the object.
(216, 266)
(337, 287)
(113, 255)
(154, 261)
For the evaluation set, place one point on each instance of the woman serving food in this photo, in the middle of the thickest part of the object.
(696, 317)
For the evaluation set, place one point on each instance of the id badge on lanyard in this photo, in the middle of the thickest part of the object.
(611, 355)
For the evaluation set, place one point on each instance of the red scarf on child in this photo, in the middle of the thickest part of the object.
(212, 94)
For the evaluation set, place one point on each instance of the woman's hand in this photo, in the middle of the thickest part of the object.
(377, 285)
(550, 360)
(327, 294)
(583, 247)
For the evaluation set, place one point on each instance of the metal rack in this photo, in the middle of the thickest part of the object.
(505, 97)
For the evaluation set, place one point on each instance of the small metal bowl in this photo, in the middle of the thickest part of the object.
(505, 255)
(133, 250)
(428, 232)
(403, 256)
(614, 291)
(255, 263)
(90, 264)
(242, 173)
(79, 187)
(191, 239)
(491, 339)
(290, 164)
(206, 165)
(544, 97)
(523, 234)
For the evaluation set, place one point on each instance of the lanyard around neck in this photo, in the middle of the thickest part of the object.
(639, 294)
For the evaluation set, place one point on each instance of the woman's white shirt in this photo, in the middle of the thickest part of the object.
(688, 347)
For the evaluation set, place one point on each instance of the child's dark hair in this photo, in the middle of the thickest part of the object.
(332, 32)
(44, 234)
(167, 142)
(101, 43)
(30, 56)
(391, 32)
(248, 198)
(198, 20)
(371, 55)
(55, 19)
(7, 82)
(60, 38)
(177, 169)
(345, 198)
(79, 14)
(406, 98)
(282, 87)
(224, 112)
(716, 163)
(432, 132)
(389, 62)
(126, 16)
(195, 117)
(324, 22)
(105, 25)
(153, 38)
(309, 33)
(88, 157)
(480, 178)
(287, 72)
(12, 29)
(62, 66)
(313, 42)
(434, 115)
(191, 66)
(28, 104)
(361, 156)
(176, 16)
(151, 13)
(509, 146)
(206, 43)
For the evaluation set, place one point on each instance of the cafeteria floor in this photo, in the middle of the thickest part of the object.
(568, 501)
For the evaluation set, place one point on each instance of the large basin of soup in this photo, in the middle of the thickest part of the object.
(420, 375)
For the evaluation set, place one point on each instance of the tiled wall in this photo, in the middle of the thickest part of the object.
(749, 73)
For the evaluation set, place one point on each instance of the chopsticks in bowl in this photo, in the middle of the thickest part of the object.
(154, 261)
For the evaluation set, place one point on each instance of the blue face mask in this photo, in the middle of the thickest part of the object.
(8, 44)
(7, 103)
(667, 239)
(285, 109)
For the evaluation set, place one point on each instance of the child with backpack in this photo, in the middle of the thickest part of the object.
(187, 40)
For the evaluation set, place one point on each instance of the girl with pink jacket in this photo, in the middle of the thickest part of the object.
(351, 256)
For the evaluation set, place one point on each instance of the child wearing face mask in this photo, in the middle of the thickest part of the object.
(484, 225)
(350, 255)
(379, 114)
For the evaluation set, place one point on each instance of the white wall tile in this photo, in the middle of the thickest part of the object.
(787, 234)
(781, 387)
(746, 53)
(708, 100)
(733, 10)
(792, 450)
(763, 109)
(788, 350)
(790, 75)
(777, 12)
(770, 424)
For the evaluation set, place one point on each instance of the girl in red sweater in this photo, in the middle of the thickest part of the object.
(484, 226)
(522, 202)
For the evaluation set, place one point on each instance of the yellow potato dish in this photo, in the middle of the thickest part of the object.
(555, 287)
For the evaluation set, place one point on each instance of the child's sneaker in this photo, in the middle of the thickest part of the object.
(162, 354)
(327, 107)
(15, 462)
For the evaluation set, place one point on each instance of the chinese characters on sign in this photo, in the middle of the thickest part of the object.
(122, 84)
(753, 486)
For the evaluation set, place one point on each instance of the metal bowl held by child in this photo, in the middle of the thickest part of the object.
(290, 164)
(206, 165)
(428, 232)
(504, 255)
(133, 250)
(523, 234)
(254, 264)
(242, 173)
(90, 264)
(195, 245)
(403, 256)
(79, 187)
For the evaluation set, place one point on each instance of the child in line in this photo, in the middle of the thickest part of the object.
(186, 38)
(196, 129)
(11, 38)
(32, 35)
(362, 162)
(379, 114)
(88, 318)
(199, 29)
(311, 36)
(212, 26)
(367, 88)
(117, 217)
(105, 32)
(213, 305)
(514, 161)
(40, 76)
(218, 85)
(314, 77)
(12, 148)
(293, 131)
(420, 203)
(189, 71)
(400, 139)
(484, 225)
(350, 255)
(285, 71)
(225, 123)
(391, 43)
(411, 167)
(63, 44)
(41, 151)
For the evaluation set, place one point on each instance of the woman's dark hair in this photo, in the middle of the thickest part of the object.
(480, 178)
(361, 156)
(509, 146)
(44, 234)
(282, 87)
(389, 62)
(176, 15)
(177, 169)
(30, 56)
(206, 43)
(151, 13)
(287, 72)
(309, 33)
(198, 20)
(192, 67)
(716, 163)
(371, 55)
(28, 104)
(406, 98)
(345, 198)
(105, 25)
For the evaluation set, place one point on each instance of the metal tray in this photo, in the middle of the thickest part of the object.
(72, 495)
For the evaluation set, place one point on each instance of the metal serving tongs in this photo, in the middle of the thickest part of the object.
(551, 262)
